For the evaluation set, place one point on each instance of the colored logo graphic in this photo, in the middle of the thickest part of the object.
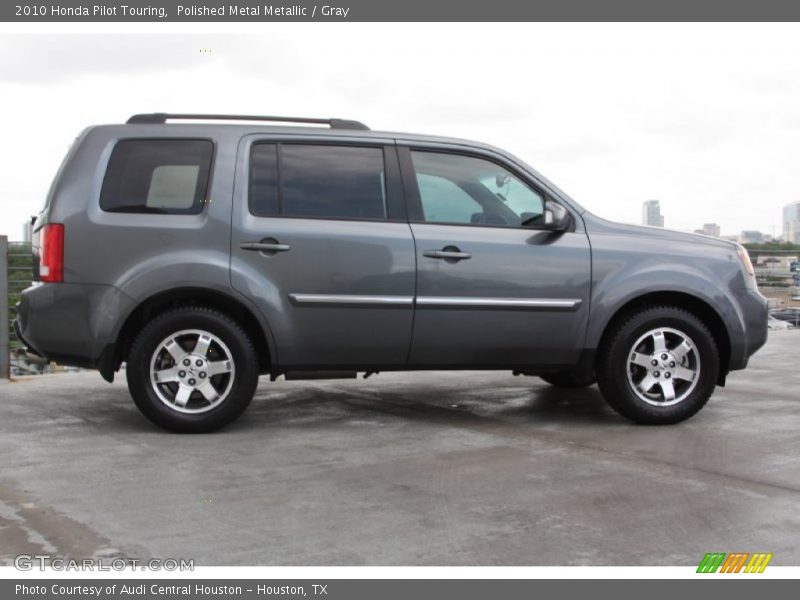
(737, 562)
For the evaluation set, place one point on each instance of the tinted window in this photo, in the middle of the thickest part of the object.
(264, 180)
(344, 182)
(157, 176)
(466, 190)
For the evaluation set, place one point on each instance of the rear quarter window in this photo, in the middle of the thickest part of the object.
(161, 176)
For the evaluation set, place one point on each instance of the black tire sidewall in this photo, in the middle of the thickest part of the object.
(218, 324)
(612, 374)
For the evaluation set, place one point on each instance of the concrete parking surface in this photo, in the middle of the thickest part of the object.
(406, 469)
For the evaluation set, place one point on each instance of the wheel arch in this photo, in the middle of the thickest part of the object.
(695, 305)
(229, 304)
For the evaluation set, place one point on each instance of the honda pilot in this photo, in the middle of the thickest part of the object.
(204, 251)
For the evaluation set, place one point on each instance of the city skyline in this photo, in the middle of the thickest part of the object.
(652, 216)
(790, 232)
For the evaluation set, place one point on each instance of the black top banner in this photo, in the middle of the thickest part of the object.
(400, 10)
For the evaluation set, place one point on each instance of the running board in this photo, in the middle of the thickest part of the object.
(305, 375)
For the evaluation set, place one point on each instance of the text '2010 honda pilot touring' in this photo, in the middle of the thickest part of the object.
(203, 254)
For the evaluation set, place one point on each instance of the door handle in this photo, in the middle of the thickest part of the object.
(447, 254)
(265, 246)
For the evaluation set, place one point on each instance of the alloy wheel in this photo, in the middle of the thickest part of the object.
(192, 371)
(663, 367)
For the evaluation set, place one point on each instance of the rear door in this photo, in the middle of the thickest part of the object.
(321, 242)
(491, 291)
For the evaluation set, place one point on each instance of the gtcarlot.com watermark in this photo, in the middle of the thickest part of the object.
(42, 562)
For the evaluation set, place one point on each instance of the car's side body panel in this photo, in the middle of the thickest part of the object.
(341, 296)
(341, 293)
(521, 299)
(672, 262)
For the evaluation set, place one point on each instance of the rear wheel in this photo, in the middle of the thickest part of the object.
(192, 370)
(658, 366)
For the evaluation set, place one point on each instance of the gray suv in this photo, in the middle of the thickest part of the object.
(205, 253)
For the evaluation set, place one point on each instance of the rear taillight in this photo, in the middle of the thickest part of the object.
(51, 253)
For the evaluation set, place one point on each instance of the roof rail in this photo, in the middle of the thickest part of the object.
(163, 117)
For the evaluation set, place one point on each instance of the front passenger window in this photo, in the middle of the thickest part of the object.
(444, 201)
(461, 189)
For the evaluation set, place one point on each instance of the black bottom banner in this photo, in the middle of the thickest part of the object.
(390, 589)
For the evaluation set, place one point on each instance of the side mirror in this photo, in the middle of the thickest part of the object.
(556, 217)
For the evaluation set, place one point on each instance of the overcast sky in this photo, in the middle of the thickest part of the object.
(704, 117)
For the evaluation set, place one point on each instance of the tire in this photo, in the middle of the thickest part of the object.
(568, 379)
(205, 394)
(673, 389)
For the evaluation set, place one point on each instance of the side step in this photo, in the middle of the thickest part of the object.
(305, 375)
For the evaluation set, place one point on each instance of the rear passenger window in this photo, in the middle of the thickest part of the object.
(264, 180)
(163, 176)
(344, 182)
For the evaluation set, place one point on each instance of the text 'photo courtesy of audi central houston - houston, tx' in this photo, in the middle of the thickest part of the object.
(203, 253)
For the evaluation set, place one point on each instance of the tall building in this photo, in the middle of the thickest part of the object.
(651, 213)
(791, 223)
(27, 230)
(711, 229)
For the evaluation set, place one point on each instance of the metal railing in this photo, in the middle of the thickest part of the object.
(16, 273)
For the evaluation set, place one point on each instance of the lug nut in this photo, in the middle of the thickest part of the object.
(663, 357)
(656, 373)
(187, 362)
(667, 375)
(199, 362)
(654, 362)
(181, 373)
(202, 374)
(672, 364)
(192, 382)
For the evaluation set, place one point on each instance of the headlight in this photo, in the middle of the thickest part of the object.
(745, 258)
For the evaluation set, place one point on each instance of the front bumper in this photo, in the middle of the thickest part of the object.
(754, 315)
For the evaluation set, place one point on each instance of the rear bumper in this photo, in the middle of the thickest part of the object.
(71, 324)
(754, 315)
(21, 337)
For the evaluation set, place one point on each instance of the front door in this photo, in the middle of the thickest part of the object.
(321, 243)
(492, 288)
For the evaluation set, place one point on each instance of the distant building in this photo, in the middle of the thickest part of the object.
(791, 223)
(651, 213)
(27, 230)
(753, 237)
(711, 229)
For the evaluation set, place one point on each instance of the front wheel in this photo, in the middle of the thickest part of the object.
(192, 370)
(658, 366)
